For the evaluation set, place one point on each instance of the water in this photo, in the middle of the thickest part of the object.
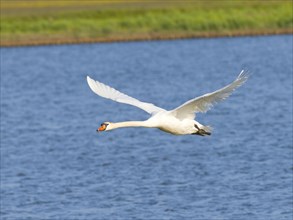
(55, 166)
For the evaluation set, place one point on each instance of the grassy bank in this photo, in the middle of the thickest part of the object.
(91, 21)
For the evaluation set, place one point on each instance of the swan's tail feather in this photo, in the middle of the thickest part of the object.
(206, 130)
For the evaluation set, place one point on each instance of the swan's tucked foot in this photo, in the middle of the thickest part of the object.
(207, 133)
(197, 133)
(200, 131)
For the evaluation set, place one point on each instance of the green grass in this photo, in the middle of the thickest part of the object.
(111, 22)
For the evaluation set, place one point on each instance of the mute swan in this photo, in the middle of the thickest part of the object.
(179, 121)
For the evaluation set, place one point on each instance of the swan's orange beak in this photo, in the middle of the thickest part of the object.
(102, 128)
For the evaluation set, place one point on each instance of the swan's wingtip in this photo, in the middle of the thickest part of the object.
(244, 74)
(88, 79)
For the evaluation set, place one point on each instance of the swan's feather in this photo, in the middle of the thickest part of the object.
(205, 102)
(113, 94)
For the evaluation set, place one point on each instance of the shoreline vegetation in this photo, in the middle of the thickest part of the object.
(68, 22)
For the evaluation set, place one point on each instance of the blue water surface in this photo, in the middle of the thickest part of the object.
(55, 166)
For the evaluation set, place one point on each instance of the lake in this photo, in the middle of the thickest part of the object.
(54, 165)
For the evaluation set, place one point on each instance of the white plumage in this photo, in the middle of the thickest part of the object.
(179, 121)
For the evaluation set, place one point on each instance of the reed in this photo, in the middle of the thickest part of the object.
(109, 23)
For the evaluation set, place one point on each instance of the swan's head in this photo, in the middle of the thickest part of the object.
(106, 126)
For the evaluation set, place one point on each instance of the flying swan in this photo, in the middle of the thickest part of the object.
(179, 121)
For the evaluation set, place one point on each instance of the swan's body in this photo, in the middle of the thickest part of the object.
(179, 121)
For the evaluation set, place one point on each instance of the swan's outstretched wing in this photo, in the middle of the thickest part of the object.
(205, 102)
(111, 93)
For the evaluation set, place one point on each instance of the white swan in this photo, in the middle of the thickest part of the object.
(179, 121)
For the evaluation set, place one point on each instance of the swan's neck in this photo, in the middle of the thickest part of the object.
(130, 124)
